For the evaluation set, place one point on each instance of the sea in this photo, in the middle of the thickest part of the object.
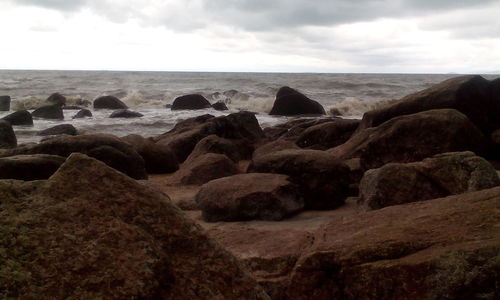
(150, 92)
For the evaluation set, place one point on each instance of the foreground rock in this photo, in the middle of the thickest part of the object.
(109, 102)
(236, 150)
(191, 101)
(323, 179)
(20, 117)
(411, 138)
(7, 136)
(186, 134)
(4, 103)
(107, 148)
(248, 197)
(59, 129)
(272, 147)
(471, 95)
(206, 167)
(158, 158)
(327, 135)
(29, 167)
(125, 113)
(82, 114)
(53, 112)
(56, 99)
(439, 176)
(291, 130)
(103, 243)
(291, 102)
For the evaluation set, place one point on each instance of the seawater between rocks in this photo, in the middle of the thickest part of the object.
(149, 92)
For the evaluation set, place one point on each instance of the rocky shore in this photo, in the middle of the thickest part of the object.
(403, 204)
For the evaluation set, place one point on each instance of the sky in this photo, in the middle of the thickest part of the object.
(339, 36)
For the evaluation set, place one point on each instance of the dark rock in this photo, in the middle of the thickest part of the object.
(54, 112)
(248, 197)
(108, 237)
(4, 103)
(20, 117)
(72, 107)
(186, 134)
(7, 136)
(59, 129)
(411, 138)
(291, 102)
(219, 106)
(442, 175)
(109, 102)
(56, 99)
(327, 135)
(125, 113)
(272, 147)
(82, 114)
(107, 148)
(29, 167)
(204, 168)
(323, 179)
(236, 150)
(471, 95)
(158, 158)
(191, 101)
(291, 130)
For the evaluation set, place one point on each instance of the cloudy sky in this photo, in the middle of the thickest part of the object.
(407, 36)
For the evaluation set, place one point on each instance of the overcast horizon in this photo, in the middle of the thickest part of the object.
(299, 36)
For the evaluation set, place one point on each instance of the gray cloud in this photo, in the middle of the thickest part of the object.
(63, 5)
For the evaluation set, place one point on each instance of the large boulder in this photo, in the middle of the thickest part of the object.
(90, 232)
(291, 102)
(59, 129)
(248, 197)
(4, 103)
(125, 113)
(413, 137)
(191, 101)
(54, 112)
(107, 148)
(322, 178)
(236, 150)
(186, 134)
(471, 95)
(447, 248)
(291, 130)
(29, 167)
(439, 176)
(20, 117)
(109, 102)
(7, 136)
(158, 158)
(82, 114)
(204, 168)
(56, 99)
(327, 135)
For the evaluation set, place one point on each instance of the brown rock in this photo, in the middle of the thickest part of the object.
(327, 135)
(20, 117)
(236, 150)
(191, 101)
(7, 136)
(249, 196)
(5, 103)
(59, 129)
(206, 167)
(125, 113)
(56, 99)
(291, 102)
(411, 138)
(29, 167)
(272, 147)
(322, 178)
(80, 236)
(53, 112)
(109, 102)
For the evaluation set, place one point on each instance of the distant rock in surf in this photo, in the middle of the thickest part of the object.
(7, 136)
(82, 114)
(125, 113)
(190, 102)
(20, 117)
(59, 129)
(109, 102)
(56, 99)
(49, 112)
(4, 103)
(219, 106)
(291, 102)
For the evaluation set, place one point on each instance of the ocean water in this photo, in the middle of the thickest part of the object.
(149, 92)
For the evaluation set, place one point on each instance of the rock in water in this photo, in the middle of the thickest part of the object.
(7, 136)
(29, 167)
(192, 101)
(413, 137)
(219, 106)
(442, 175)
(125, 113)
(90, 232)
(82, 114)
(249, 196)
(4, 103)
(59, 129)
(57, 99)
(109, 102)
(20, 117)
(49, 112)
(158, 158)
(291, 102)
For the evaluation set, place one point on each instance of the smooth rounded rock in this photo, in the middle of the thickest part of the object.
(291, 102)
(190, 102)
(125, 113)
(109, 102)
(53, 112)
(20, 117)
(7, 136)
(83, 113)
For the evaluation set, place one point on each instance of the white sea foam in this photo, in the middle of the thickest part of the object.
(353, 107)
